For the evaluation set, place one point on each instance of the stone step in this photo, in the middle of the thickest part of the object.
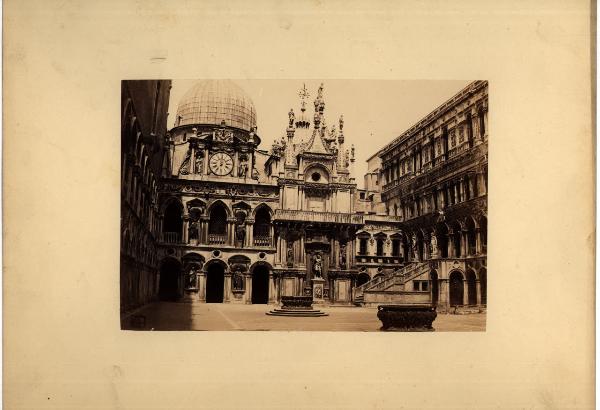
(296, 313)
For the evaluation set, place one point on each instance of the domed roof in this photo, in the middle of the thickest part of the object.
(214, 101)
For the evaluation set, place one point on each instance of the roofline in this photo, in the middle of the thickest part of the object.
(433, 113)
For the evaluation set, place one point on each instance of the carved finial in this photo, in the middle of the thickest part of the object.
(341, 122)
(292, 117)
(320, 91)
(352, 153)
(303, 93)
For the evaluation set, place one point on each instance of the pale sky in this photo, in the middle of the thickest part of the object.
(375, 111)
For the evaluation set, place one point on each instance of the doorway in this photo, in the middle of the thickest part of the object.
(215, 283)
(456, 289)
(260, 285)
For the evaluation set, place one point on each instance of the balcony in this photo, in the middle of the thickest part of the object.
(262, 241)
(390, 260)
(314, 216)
(217, 239)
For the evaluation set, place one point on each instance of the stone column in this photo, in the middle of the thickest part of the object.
(465, 292)
(192, 160)
(186, 225)
(272, 290)
(478, 289)
(204, 229)
(249, 239)
(202, 286)
(302, 251)
(477, 241)
(464, 243)
(248, 288)
(462, 190)
(450, 241)
(205, 168)
(444, 296)
(227, 295)
(230, 231)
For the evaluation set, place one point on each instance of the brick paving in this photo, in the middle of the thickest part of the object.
(217, 316)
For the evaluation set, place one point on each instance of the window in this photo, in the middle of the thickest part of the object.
(362, 246)
(379, 247)
(315, 176)
(420, 286)
(395, 247)
(362, 195)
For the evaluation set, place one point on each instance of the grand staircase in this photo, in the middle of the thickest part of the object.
(390, 284)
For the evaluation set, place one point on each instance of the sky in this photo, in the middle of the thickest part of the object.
(375, 111)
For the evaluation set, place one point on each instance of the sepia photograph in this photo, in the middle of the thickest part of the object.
(352, 205)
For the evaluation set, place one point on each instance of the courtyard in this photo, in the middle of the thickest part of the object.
(218, 316)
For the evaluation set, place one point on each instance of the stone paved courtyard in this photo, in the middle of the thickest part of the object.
(216, 316)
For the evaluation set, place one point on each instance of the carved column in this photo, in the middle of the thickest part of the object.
(465, 292)
(192, 160)
(230, 231)
(227, 287)
(477, 241)
(478, 290)
(462, 189)
(186, 225)
(248, 288)
(202, 286)
(272, 290)
(249, 239)
(302, 250)
(205, 169)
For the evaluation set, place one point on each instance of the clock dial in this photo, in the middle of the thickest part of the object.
(221, 164)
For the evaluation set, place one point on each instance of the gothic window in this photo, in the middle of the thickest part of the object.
(395, 247)
(217, 223)
(362, 246)
(380, 243)
(262, 223)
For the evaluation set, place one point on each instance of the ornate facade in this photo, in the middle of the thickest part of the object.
(433, 180)
(143, 129)
(230, 222)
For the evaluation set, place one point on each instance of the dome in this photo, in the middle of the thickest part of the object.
(214, 101)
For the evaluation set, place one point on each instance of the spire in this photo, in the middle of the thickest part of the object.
(289, 145)
(315, 144)
(341, 159)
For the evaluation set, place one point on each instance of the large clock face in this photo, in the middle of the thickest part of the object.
(221, 164)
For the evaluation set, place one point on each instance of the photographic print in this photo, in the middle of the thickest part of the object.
(301, 220)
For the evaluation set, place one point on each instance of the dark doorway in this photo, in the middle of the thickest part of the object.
(472, 287)
(362, 279)
(215, 283)
(433, 276)
(260, 285)
(483, 285)
(456, 289)
(168, 287)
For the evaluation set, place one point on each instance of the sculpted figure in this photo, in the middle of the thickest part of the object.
(318, 266)
(291, 116)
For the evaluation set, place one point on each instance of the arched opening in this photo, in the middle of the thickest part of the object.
(442, 239)
(483, 285)
(471, 287)
(433, 277)
(483, 233)
(456, 289)
(260, 285)
(217, 225)
(380, 243)
(362, 278)
(173, 223)
(170, 274)
(471, 237)
(262, 227)
(215, 283)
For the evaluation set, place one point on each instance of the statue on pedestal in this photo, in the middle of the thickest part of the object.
(191, 278)
(199, 163)
(433, 246)
(238, 281)
(343, 256)
(318, 266)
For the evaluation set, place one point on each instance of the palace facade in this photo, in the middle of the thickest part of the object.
(209, 216)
